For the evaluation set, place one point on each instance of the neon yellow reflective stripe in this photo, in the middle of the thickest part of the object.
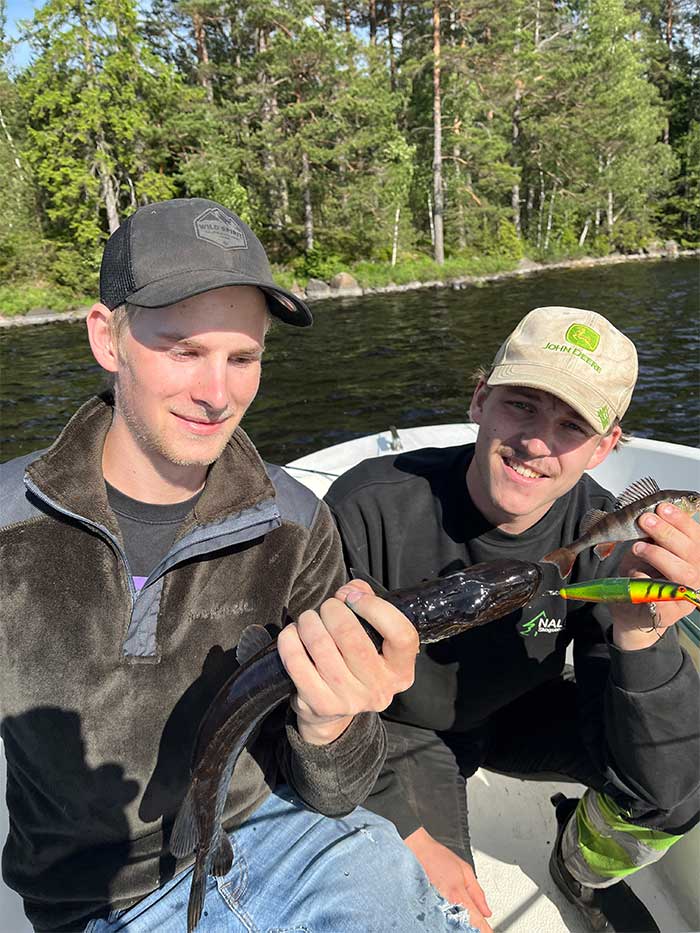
(615, 818)
(606, 857)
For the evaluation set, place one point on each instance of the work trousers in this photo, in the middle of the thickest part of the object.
(535, 738)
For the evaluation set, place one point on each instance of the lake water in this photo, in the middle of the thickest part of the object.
(399, 360)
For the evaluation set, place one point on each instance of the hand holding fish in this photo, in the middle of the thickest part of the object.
(336, 669)
(673, 552)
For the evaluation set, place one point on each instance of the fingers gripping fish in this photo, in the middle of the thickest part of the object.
(438, 609)
(603, 530)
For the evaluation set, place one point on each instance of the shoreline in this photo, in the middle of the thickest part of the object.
(321, 293)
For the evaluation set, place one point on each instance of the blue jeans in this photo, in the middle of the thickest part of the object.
(295, 871)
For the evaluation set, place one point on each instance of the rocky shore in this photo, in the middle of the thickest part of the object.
(344, 285)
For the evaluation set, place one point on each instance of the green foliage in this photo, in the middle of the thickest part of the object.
(317, 263)
(19, 299)
(556, 119)
(425, 269)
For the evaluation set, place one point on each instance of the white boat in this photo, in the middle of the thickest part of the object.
(512, 821)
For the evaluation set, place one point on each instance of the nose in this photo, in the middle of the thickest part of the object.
(538, 438)
(537, 445)
(211, 386)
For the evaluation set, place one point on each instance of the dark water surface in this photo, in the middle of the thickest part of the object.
(399, 360)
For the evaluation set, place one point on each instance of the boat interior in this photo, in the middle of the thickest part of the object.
(512, 821)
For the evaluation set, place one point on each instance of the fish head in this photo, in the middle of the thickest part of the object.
(689, 501)
(471, 597)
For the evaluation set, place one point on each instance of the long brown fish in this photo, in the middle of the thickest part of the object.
(438, 608)
(603, 530)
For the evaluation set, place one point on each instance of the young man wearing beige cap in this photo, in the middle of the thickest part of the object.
(622, 722)
(137, 552)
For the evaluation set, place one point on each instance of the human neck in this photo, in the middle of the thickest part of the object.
(146, 475)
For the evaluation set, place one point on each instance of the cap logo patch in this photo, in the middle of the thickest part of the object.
(604, 416)
(583, 336)
(216, 227)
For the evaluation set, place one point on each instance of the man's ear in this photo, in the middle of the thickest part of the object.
(102, 341)
(605, 446)
(477, 403)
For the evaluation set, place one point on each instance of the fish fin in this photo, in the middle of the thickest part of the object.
(253, 639)
(564, 558)
(185, 834)
(378, 588)
(223, 857)
(195, 904)
(591, 519)
(647, 486)
(604, 549)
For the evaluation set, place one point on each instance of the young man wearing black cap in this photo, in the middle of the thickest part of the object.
(136, 550)
(501, 695)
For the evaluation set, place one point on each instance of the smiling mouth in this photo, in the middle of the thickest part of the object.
(523, 470)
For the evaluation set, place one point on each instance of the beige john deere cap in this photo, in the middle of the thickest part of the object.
(576, 355)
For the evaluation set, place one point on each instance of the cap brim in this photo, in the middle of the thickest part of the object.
(567, 388)
(285, 305)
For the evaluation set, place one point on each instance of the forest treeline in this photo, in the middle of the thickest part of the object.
(352, 133)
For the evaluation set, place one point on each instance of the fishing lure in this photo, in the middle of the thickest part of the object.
(629, 590)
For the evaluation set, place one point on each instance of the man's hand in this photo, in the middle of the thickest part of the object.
(336, 669)
(672, 553)
(452, 876)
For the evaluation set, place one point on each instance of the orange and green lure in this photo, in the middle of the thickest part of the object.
(629, 590)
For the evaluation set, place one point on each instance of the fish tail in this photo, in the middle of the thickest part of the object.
(564, 558)
(196, 901)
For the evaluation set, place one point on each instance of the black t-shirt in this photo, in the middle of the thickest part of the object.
(410, 518)
(148, 530)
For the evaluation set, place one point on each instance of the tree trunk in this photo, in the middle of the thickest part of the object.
(584, 232)
(515, 135)
(372, 22)
(669, 40)
(540, 211)
(11, 144)
(549, 217)
(107, 186)
(395, 243)
(308, 210)
(200, 39)
(439, 249)
(390, 41)
(461, 225)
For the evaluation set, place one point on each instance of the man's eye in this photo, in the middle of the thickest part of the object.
(181, 353)
(521, 406)
(573, 426)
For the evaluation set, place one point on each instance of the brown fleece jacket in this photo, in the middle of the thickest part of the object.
(102, 690)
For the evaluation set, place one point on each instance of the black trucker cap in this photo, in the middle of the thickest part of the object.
(173, 250)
